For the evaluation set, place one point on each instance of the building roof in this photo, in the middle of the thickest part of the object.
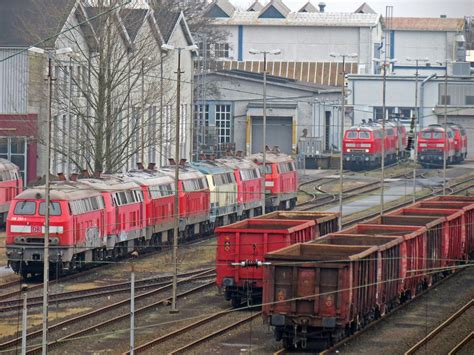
(364, 9)
(308, 7)
(26, 22)
(220, 8)
(274, 80)
(324, 19)
(273, 8)
(256, 6)
(166, 20)
(427, 24)
(133, 20)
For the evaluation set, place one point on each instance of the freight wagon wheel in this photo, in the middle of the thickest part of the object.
(287, 343)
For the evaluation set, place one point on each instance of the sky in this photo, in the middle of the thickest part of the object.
(405, 8)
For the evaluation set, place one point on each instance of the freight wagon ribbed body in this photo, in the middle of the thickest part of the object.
(316, 291)
(248, 241)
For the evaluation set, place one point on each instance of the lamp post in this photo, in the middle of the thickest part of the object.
(168, 47)
(47, 192)
(264, 144)
(445, 123)
(343, 113)
(385, 64)
(415, 119)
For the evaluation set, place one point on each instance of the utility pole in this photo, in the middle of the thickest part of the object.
(24, 290)
(385, 64)
(341, 133)
(415, 120)
(167, 47)
(445, 157)
(161, 110)
(264, 143)
(132, 311)
(142, 128)
(50, 80)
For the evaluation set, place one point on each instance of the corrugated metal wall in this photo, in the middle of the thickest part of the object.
(13, 82)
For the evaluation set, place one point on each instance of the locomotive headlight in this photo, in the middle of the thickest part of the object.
(348, 150)
(366, 150)
(54, 241)
(455, 142)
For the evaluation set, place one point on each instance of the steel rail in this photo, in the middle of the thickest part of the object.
(462, 344)
(214, 334)
(95, 312)
(440, 328)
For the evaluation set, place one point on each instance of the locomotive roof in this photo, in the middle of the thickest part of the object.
(435, 128)
(7, 165)
(238, 163)
(148, 178)
(271, 157)
(110, 183)
(185, 173)
(60, 190)
(371, 128)
(211, 167)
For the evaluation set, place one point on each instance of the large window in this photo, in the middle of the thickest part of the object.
(223, 123)
(15, 150)
(221, 50)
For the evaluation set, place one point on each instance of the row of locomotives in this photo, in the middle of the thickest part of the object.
(11, 184)
(362, 144)
(281, 179)
(437, 142)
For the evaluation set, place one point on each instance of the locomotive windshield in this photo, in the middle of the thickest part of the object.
(54, 209)
(364, 135)
(352, 134)
(25, 208)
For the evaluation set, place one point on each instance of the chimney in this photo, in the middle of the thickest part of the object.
(61, 177)
(151, 166)
(321, 5)
(140, 166)
(85, 174)
(182, 162)
(238, 154)
(73, 176)
(97, 174)
(202, 156)
(171, 161)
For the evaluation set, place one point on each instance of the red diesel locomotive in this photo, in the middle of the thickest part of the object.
(434, 144)
(362, 145)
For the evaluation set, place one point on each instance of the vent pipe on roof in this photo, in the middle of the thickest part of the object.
(321, 5)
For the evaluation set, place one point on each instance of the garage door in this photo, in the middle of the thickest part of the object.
(468, 124)
(278, 133)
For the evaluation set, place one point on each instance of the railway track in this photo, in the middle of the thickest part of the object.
(423, 344)
(109, 314)
(107, 290)
(200, 325)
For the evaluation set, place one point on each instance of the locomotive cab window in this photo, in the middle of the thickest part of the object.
(352, 134)
(438, 135)
(364, 135)
(25, 208)
(54, 209)
(426, 135)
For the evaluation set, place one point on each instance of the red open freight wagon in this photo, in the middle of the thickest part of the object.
(241, 247)
(454, 233)
(459, 202)
(411, 255)
(326, 222)
(316, 292)
(390, 273)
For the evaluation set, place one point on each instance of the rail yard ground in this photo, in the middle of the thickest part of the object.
(394, 335)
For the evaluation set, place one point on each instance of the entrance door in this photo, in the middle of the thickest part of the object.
(327, 130)
(279, 131)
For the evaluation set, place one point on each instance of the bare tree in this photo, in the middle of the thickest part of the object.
(106, 95)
